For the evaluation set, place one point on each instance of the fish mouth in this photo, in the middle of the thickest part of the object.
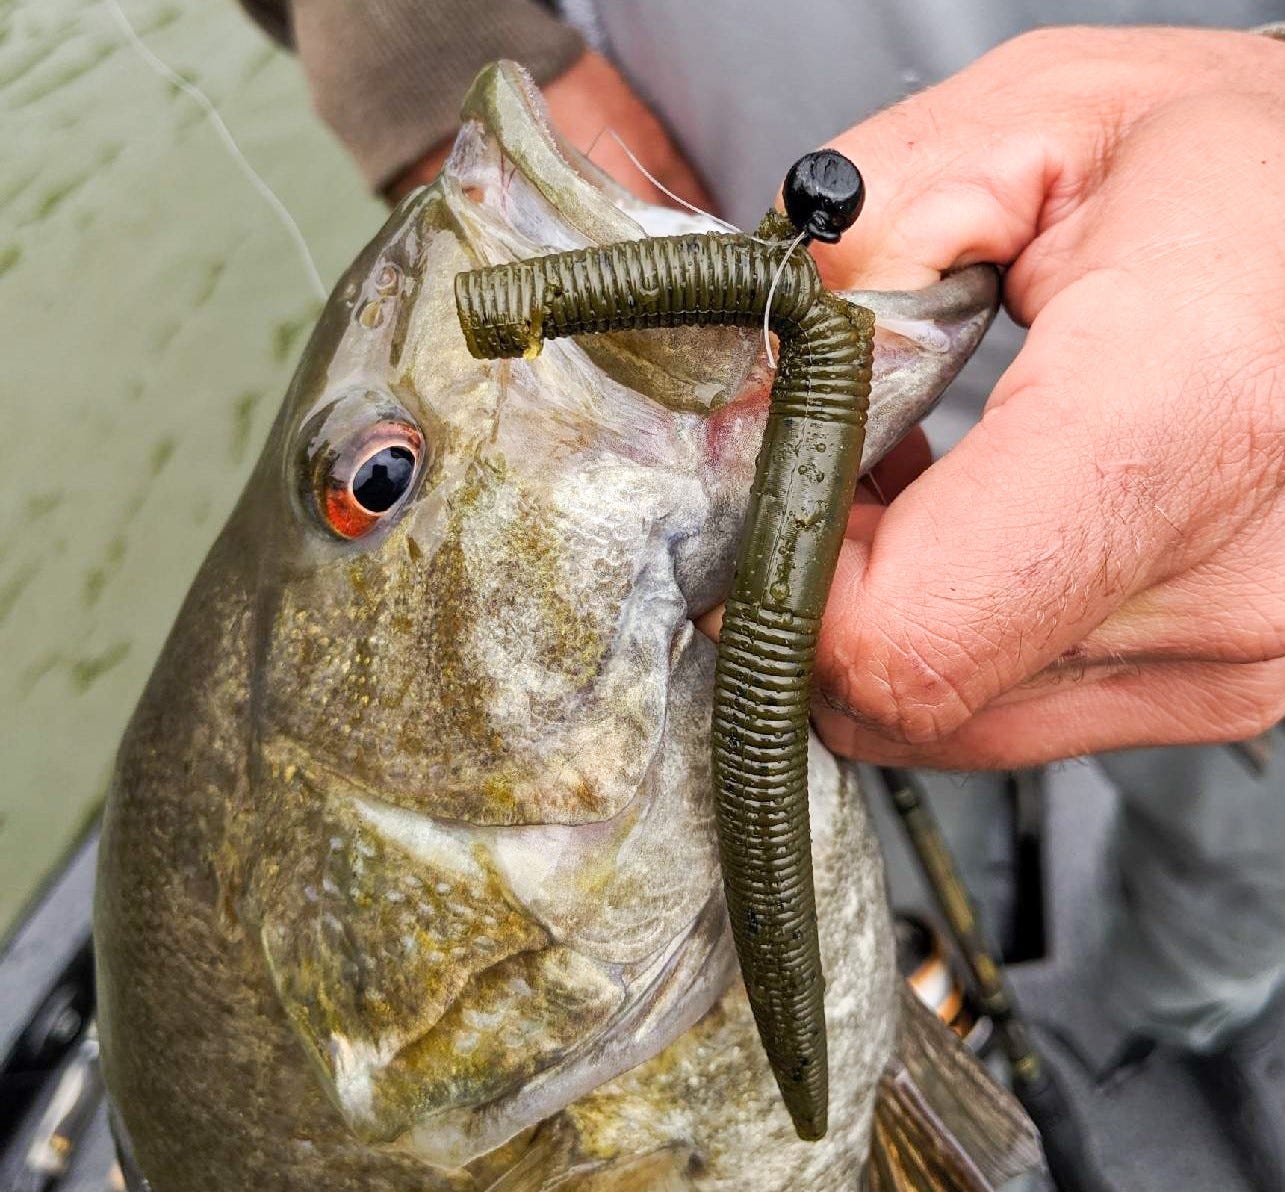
(511, 160)
(923, 338)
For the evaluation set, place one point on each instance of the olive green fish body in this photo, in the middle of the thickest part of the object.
(409, 878)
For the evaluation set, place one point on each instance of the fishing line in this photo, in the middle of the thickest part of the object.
(193, 92)
(870, 478)
(771, 293)
(722, 223)
(656, 182)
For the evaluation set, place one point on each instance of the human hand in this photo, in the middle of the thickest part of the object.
(1101, 562)
(590, 97)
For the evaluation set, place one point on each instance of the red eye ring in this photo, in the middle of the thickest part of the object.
(366, 479)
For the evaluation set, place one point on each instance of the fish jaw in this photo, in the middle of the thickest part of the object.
(922, 340)
(532, 193)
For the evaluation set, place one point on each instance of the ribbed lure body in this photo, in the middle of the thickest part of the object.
(806, 474)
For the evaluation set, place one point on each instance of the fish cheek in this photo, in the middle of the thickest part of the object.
(516, 1020)
(366, 668)
(393, 970)
(487, 675)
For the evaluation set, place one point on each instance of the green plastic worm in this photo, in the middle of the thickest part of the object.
(806, 475)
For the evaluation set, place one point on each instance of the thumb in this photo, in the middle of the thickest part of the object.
(1004, 555)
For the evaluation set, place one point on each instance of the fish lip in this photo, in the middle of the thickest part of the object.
(945, 322)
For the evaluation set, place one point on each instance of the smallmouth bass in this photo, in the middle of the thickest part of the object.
(408, 875)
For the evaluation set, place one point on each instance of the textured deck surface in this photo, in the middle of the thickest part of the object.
(152, 310)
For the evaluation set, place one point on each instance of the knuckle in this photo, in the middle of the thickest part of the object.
(1055, 45)
(909, 689)
(1035, 42)
(1256, 705)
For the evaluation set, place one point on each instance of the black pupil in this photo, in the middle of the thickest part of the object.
(383, 479)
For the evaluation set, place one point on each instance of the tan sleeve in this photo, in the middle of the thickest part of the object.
(388, 75)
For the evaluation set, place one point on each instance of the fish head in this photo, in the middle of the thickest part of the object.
(480, 839)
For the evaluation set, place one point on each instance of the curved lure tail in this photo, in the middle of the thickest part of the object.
(805, 478)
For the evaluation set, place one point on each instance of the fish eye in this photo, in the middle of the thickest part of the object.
(363, 481)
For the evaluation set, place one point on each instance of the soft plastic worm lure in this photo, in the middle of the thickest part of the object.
(806, 475)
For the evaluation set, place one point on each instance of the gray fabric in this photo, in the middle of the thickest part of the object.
(1197, 942)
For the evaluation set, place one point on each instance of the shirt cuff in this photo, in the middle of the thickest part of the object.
(389, 75)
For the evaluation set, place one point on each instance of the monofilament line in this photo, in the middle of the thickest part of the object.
(656, 182)
(771, 293)
(194, 93)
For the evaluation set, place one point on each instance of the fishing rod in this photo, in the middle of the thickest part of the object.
(1066, 1145)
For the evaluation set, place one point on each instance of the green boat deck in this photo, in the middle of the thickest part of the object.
(152, 308)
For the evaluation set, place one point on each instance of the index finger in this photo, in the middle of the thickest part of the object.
(976, 167)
